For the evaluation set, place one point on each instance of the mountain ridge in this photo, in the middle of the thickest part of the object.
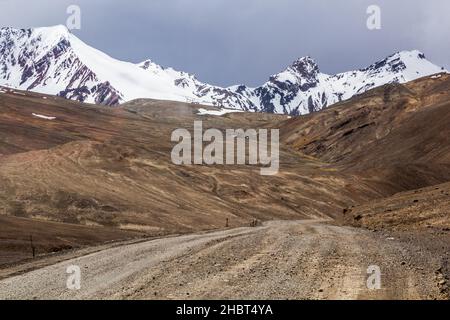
(51, 60)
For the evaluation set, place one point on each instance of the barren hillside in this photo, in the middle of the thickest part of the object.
(74, 175)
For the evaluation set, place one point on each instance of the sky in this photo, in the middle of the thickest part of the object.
(227, 42)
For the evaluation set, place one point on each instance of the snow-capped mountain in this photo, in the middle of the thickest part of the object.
(54, 61)
(302, 88)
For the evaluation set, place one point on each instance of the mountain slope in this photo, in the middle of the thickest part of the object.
(396, 135)
(54, 61)
(102, 168)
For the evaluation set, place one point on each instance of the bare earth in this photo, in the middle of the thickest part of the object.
(279, 260)
(73, 189)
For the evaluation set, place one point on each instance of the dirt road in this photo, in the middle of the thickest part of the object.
(279, 260)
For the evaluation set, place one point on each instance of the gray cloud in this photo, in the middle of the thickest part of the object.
(244, 41)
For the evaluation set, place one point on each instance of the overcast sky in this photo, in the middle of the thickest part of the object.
(228, 42)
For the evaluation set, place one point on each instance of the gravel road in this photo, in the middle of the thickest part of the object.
(278, 260)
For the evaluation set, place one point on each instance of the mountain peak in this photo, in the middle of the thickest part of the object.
(52, 34)
(45, 37)
(305, 66)
(406, 55)
(58, 28)
(410, 65)
(56, 31)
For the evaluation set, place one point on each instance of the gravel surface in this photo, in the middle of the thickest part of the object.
(278, 260)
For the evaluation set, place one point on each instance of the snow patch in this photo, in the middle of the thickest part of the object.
(43, 117)
(205, 112)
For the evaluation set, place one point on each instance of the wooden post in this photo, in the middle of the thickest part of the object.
(33, 249)
(226, 223)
